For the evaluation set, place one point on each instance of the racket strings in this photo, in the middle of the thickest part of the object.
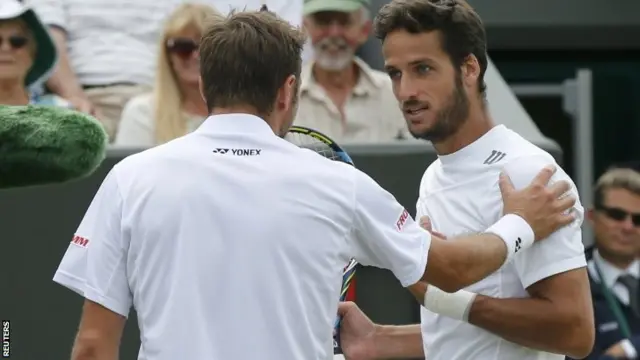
(309, 142)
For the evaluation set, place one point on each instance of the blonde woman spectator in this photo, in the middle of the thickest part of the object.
(107, 48)
(27, 56)
(175, 106)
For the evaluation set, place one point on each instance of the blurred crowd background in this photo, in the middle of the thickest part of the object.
(564, 74)
(134, 65)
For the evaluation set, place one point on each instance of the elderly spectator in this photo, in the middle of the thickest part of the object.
(175, 106)
(340, 94)
(614, 268)
(27, 55)
(107, 48)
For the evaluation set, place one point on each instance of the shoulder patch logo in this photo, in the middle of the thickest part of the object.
(494, 157)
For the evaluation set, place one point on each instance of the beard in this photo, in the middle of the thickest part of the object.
(448, 119)
(333, 62)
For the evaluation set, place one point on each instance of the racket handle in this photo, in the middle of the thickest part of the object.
(337, 350)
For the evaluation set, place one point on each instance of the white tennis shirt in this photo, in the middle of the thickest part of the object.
(460, 193)
(230, 244)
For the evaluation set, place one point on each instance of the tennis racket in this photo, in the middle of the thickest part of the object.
(323, 145)
(313, 140)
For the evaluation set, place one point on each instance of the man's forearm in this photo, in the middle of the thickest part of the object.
(82, 352)
(464, 260)
(399, 342)
(459, 262)
(530, 322)
(93, 348)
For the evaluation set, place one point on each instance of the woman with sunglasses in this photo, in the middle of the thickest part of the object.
(27, 56)
(175, 107)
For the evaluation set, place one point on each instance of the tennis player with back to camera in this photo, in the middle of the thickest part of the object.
(168, 231)
(536, 307)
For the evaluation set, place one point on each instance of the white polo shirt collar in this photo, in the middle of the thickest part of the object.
(237, 123)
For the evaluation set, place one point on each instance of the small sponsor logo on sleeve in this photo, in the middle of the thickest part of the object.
(402, 220)
(80, 241)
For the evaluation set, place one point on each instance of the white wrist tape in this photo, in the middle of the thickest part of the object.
(454, 305)
(515, 232)
(628, 348)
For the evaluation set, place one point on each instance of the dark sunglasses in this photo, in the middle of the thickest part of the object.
(15, 41)
(620, 215)
(182, 47)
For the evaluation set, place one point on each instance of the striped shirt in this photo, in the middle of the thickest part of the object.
(115, 41)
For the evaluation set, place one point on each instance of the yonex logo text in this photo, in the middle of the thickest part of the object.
(518, 244)
(238, 152)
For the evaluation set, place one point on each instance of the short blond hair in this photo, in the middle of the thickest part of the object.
(616, 178)
(247, 57)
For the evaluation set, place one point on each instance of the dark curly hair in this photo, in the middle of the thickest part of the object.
(461, 28)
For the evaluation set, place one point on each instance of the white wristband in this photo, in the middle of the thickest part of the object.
(515, 232)
(628, 348)
(454, 305)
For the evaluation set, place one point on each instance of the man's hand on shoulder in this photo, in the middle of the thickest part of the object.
(523, 171)
(542, 205)
(559, 301)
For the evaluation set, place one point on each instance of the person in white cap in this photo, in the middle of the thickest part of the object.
(101, 76)
(340, 94)
(27, 57)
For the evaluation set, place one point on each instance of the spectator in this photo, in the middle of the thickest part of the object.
(27, 55)
(614, 268)
(175, 106)
(340, 94)
(107, 48)
(106, 51)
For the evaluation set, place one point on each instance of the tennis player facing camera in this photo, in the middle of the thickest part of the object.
(230, 241)
(535, 307)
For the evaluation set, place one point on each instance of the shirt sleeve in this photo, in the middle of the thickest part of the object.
(420, 209)
(386, 236)
(563, 250)
(94, 264)
(50, 12)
